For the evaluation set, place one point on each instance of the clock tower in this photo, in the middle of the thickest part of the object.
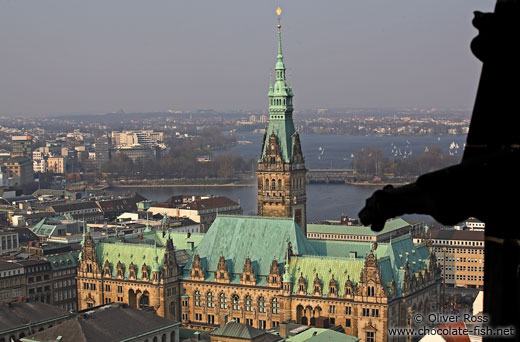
(281, 167)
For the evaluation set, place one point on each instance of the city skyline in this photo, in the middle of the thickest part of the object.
(179, 57)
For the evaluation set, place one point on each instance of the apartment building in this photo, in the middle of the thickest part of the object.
(460, 254)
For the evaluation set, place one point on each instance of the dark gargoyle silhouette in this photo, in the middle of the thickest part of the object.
(486, 184)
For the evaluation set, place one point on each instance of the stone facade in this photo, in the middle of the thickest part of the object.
(364, 309)
(137, 284)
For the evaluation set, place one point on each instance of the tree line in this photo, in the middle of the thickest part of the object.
(183, 160)
(372, 161)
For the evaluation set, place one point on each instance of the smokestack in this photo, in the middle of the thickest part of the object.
(283, 329)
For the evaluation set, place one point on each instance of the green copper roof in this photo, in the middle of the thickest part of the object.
(262, 239)
(325, 267)
(61, 261)
(150, 249)
(280, 110)
(127, 254)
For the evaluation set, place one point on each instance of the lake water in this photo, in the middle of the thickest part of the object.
(324, 201)
(323, 151)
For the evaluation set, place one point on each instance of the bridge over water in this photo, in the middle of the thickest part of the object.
(331, 175)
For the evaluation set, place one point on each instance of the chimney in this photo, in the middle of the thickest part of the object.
(283, 329)
(222, 320)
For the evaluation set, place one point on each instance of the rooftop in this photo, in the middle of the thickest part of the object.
(111, 322)
(453, 234)
(244, 331)
(390, 226)
(17, 314)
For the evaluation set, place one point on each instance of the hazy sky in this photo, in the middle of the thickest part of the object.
(97, 56)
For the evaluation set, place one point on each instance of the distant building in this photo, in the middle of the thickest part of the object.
(102, 151)
(20, 169)
(135, 153)
(133, 138)
(57, 226)
(460, 254)
(39, 164)
(111, 322)
(83, 210)
(115, 207)
(64, 289)
(21, 146)
(57, 165)
(8, 242)
(201, 210)
(4, 176)
(474, 224)
(12, 281)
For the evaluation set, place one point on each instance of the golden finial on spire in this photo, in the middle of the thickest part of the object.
(279, 12)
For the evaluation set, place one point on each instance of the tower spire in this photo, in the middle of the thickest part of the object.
(280, 54)
(281, 165)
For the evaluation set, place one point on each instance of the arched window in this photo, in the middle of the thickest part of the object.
(273, 184)
(370, 291)
(209, 300)
(196, 298)
(172, 336)
(279, 184)
(222, 300)
(275, 306)
(261, 304)
(249, 303)
(163, 338)
(267, 184)
(235, 302)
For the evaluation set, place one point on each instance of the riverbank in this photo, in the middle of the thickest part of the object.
(178, 185)
(187, 185)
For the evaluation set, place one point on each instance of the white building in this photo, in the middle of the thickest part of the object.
(8, 242)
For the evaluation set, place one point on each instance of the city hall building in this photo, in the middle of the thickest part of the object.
(263, 270)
